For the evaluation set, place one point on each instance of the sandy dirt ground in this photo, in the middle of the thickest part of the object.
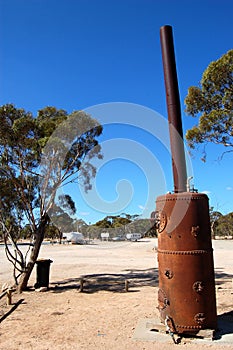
(104, 315)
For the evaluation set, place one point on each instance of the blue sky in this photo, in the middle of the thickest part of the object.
(76, 54)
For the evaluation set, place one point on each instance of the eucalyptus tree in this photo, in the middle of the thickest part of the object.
(212, 103)
(214, 217)
(38, 156)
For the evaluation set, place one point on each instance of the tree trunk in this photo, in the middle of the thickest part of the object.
(60, 235)
(213, 230)
(39, 236)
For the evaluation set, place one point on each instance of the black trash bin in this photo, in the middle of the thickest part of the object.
(42, 273)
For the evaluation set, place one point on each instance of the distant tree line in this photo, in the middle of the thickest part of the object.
(116, 225)
(221, 225)
(120, 225)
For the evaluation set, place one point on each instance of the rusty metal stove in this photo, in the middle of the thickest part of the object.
(185, 257)
(186, 297)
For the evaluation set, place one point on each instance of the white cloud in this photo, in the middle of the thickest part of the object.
(84, 213)
(141, 207)
(229, 188)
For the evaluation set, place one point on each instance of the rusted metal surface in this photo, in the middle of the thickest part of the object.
(186, 294)
(173, 109)
(185, 257)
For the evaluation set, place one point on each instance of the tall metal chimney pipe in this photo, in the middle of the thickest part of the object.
(173, 109)
(186, 296)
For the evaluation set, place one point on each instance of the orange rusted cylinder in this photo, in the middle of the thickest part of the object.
(185, 257)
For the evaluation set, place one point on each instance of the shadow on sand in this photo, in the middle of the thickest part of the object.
(222, 277)
(12, 309)
(225, 325)
(114, 282)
